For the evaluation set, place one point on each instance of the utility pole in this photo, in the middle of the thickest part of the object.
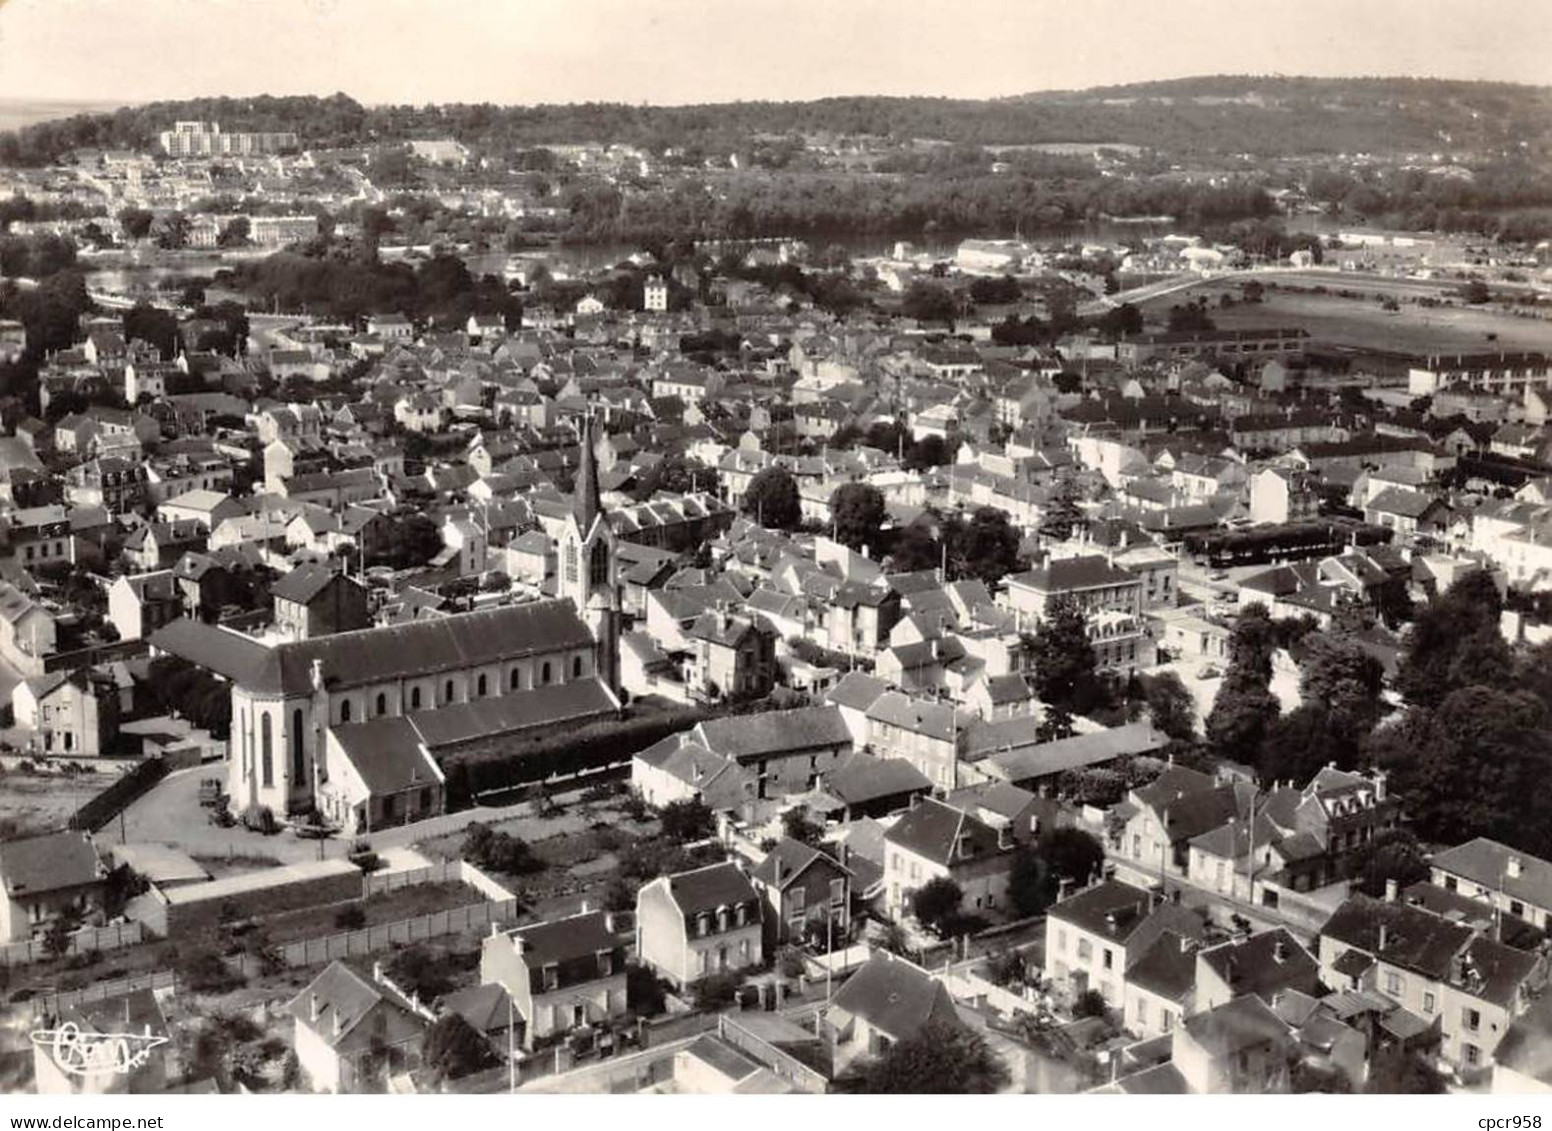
(511, 1050)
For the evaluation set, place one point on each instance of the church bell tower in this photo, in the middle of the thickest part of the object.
(588, 571)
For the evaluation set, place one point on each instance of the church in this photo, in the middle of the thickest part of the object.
(350, 724)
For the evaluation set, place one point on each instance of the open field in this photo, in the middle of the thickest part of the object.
(1332, 319)
(406, 903)
(31, 805)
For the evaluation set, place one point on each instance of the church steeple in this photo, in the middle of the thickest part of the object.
(585, 500)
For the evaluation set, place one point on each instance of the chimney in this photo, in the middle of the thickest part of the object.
(377, 971)
(1384, 937)
(1279, 950)
(1380, 778)
(781, 869)
(1513, 868)
(1392, 889)
(585, 908)
(313, 1007)
(518, 945)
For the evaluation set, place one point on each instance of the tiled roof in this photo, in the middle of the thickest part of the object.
(48, 863)
(895, 998)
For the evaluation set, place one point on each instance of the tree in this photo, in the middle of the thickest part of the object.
(916, 549)
(1064, 658)
(1063, 516)
(172, 231)
(452, 1048)
(56, 940)
(234, 233)
(1028, 886)
(1476, 292)
(1467, 611)
(485, 847)
(1171, 707)
(1072, 854)
(417, 970)
(144, 322)
(936, 905)
(136, 222)
(799, 824)
(928, 302)
(927, 453)
(1090, 1003)
(1245, 707)
(986, 547)
(687, 821)
(714, 992)
(945, 1057)
(857, 514)
(1337, 672)
(1393, 855)
(772, 498)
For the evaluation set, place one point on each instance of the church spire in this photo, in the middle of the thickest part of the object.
(585, 503)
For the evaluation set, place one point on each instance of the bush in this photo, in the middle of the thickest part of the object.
(715, 991)
(644, 992)
(936, 904)
(1090, 1003)
(350, 918)
(451, 1048)
(260, 819)
(686, 821)
(204, 971)
(416, 970)
(486, 848)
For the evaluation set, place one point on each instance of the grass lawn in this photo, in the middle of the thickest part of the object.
(406, 903)
(1361, 323)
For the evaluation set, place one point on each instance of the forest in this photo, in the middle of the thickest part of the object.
(1216, 115)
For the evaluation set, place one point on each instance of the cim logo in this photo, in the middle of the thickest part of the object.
(95, 1054)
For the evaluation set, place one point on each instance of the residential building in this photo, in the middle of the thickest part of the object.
(694, 924)
(562, 974)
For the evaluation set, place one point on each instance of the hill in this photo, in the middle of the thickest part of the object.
(1204, 117)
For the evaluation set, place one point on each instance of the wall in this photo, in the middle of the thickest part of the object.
(81, 942)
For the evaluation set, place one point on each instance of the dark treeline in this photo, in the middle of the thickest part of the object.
(1211, 115)
(349, 286)
(833, 205)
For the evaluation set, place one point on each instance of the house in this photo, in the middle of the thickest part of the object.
(887, 1002)
(933, 840)
(45, 877)
(1282, 495)
(730, 656)
(141, 603)
(562, 974)
(136, 1018)
(315, 600)
(70, 713)
(1162, 818)
(676, 770)
(1267, 964)
(694, 924)
(1514, 882)
(1408, 513)
(1436, 969)
(807, 895)
(350, 1030)
(1239, 1048)
(1092, 938)
(27, 630)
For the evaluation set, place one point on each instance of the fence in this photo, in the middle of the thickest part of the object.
(370, 940)
(663, 1030)
(94, 655)
(84, 941)
(445, 872)
(50, 1003)
(117, 797)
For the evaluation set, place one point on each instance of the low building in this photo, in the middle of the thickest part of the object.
(45, 877)
(350, 1030)
(888, 1002)
(378, 774)
(937, 841)
(73, 714)
(315, 600)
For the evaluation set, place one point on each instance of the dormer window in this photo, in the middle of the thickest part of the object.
(722, 918)
(605, 963)
(552, 977)
(703, 924)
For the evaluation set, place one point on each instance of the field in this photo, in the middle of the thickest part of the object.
(31, 805)
(406, 903)
(1332, 319)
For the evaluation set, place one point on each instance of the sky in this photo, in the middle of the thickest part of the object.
(685, 51)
